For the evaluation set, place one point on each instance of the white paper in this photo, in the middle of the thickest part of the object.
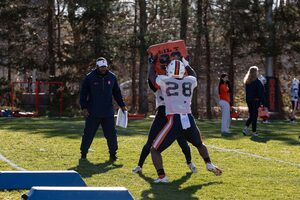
(185, 121)
(122, 118)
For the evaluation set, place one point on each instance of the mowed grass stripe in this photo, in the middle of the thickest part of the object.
(53, 144)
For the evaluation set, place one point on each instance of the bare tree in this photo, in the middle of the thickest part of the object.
(208, 64)
(183, 19)
(270, 38)
(51, 55)
(232, 48)
(143, 100)
(197, 55)
(60, 7)
(133, 55)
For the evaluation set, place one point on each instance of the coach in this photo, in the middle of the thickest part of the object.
(96, 93)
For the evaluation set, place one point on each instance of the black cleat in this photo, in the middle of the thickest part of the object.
(24, 197)
(113, 157)
(83, 156)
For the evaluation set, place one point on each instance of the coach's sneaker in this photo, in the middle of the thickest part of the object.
(214, 169)
(137, 169)
(246, 132)
(83, 156)
(161, 180)
(113, 157)
(193, 168)
(254, 134)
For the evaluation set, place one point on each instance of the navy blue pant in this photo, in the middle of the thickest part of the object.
(173, 130)
(253, 114)
(159, 122)
(91, 127)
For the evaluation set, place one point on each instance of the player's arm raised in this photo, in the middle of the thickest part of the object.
(151, 71)
(190, 71)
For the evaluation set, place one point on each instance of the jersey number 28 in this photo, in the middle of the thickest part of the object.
(172, 89)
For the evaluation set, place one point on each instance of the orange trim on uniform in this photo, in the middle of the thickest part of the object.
(163, 133)
(157, 86)
(176, 68)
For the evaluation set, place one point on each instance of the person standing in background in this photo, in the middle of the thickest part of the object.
(224, 95)
(295, 93)
(97, 90)
(255, 96)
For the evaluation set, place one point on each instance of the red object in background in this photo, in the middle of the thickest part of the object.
(262, 113)
(272, 94)
(272, 91)
(234, 113)
(136, 116)
(166, 48)
(37, 83)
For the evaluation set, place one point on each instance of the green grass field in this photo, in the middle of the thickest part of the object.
(264, 168)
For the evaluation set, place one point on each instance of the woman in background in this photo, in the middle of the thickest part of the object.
(255, 96)
(224, 94)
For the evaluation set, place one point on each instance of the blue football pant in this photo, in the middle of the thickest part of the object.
(173, 129)
(91, 127)
(158, 123)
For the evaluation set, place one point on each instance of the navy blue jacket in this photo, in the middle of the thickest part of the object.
(255, 92)
(96, 94)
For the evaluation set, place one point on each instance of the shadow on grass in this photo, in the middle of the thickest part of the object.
(277, 131)
(260, 139)
(158, 190)
(66, 127)
(87, 169)
(72, 128)
(278, 134)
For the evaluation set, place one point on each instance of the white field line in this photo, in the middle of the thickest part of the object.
(253, 155)
(260, 131)
(10, 163)
(15, 166)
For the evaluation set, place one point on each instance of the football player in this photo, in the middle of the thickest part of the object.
(160, 120)
(177, 91)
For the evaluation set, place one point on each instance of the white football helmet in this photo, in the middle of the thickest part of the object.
(175, 69)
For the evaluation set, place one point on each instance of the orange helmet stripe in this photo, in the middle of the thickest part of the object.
(177, 64)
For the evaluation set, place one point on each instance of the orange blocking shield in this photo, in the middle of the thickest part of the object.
(165, 52)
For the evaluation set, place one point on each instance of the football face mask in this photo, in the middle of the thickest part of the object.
(176, 69)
